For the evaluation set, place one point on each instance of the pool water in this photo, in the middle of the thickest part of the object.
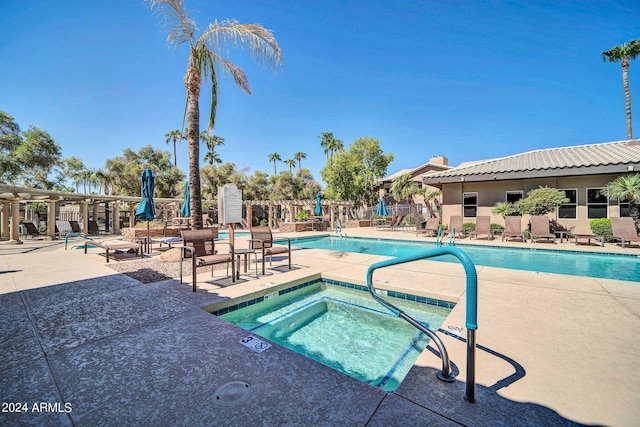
(345, 329)
(605, 266)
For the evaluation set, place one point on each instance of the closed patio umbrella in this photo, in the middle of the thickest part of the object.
(185, 209)
(382, 208)
(146, 211)
(318, 209)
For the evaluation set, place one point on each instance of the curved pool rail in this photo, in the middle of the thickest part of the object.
(471, 321)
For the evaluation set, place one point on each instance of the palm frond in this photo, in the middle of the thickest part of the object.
(260, 42)
(176, 20)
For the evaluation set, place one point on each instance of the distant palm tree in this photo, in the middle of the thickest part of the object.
(206, 62)
(402, 188)
(274, 157)
(174, 135)
(211, 141)
(624, 53)
(299, 156)
(326, 139)
(627, 188)
(291, 163)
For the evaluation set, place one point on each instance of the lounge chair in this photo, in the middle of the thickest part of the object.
(63, 227)
(114, 245)
(201, 246)
(513, 228)
(624, 229)
(93, 227)
(262, 239)
(390, 224)
(431, 227)
(483, 227)
(75, 227)
(455, 227)
(540, 229)
(31, 230)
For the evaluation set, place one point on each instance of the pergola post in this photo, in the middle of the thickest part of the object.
(15, 222)
(116, 217)
(84, 214)
(4, 213)
(51, 220)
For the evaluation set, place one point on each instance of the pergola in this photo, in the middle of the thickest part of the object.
(12, 196)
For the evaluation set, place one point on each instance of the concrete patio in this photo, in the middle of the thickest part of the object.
(100, 348)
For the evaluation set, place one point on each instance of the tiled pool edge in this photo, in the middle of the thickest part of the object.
(312, 281)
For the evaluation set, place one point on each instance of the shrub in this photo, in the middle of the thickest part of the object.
(497, 227)
(302, 216)
(468, 227)
(601, 227)
(263, 222)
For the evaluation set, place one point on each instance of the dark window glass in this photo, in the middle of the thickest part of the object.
(567, 212)
(625, 209)
(596, 211)
(514, 196)
(596, 195)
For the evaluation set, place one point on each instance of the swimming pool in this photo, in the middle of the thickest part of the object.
(343, 327)
(605, 266)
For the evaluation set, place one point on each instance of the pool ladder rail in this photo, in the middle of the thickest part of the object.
(441, 234)
(471, 313)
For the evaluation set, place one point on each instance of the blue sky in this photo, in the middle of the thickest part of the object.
(469, 80)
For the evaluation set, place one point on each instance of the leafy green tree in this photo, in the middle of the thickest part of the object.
(126, 171)
(623, 53)
(403, 188)
(627, 188)
(258, 187)
(216, 176)
(352, 173)
(275, 157)
(541, 201)
(175, 136)
(207, 63)
(298, 156)
(36, 156)
(308, 186)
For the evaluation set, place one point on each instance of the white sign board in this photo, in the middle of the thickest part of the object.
(229, 204)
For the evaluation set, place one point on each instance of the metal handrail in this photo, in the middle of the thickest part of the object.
(452, 236)
(439, 236)
(471, 311)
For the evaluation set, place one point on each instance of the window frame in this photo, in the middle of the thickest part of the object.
(506, 195)
(575, 204)
(590, 204)
(464, 205)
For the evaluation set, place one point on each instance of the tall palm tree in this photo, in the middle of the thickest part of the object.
(627, 188)
(211, 141)
(402, 188)
(206, 62)
(299, 156)
(624, 53)
(326, 139)
(274, 157)
(335, 146)
(174, 135)
(291, 163)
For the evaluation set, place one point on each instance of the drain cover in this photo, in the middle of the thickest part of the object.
(233, 392)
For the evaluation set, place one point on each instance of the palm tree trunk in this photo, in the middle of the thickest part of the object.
(627, 94)
(192, 82)
(175, 157)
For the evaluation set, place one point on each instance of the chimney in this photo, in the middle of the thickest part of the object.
(439, 160)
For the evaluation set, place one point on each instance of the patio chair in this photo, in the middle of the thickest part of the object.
(513, 228)
(31, 230)
(201, 245)
(114, 245)
(431, 227)
(624, 229)
(540, 229)
(63, 227)
(455, 226)
(390, 224)
(262, 239)
(483, 227)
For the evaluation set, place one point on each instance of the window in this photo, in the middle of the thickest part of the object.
(470, 205)
(514, 196)
(624, 208)
(569, 210)
(597, 203)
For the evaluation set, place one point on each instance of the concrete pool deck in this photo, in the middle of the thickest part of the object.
(552, 349)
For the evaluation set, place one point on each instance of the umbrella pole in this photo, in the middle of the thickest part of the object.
(148, 237)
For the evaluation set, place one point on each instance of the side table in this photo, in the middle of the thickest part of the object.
(246, 253)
